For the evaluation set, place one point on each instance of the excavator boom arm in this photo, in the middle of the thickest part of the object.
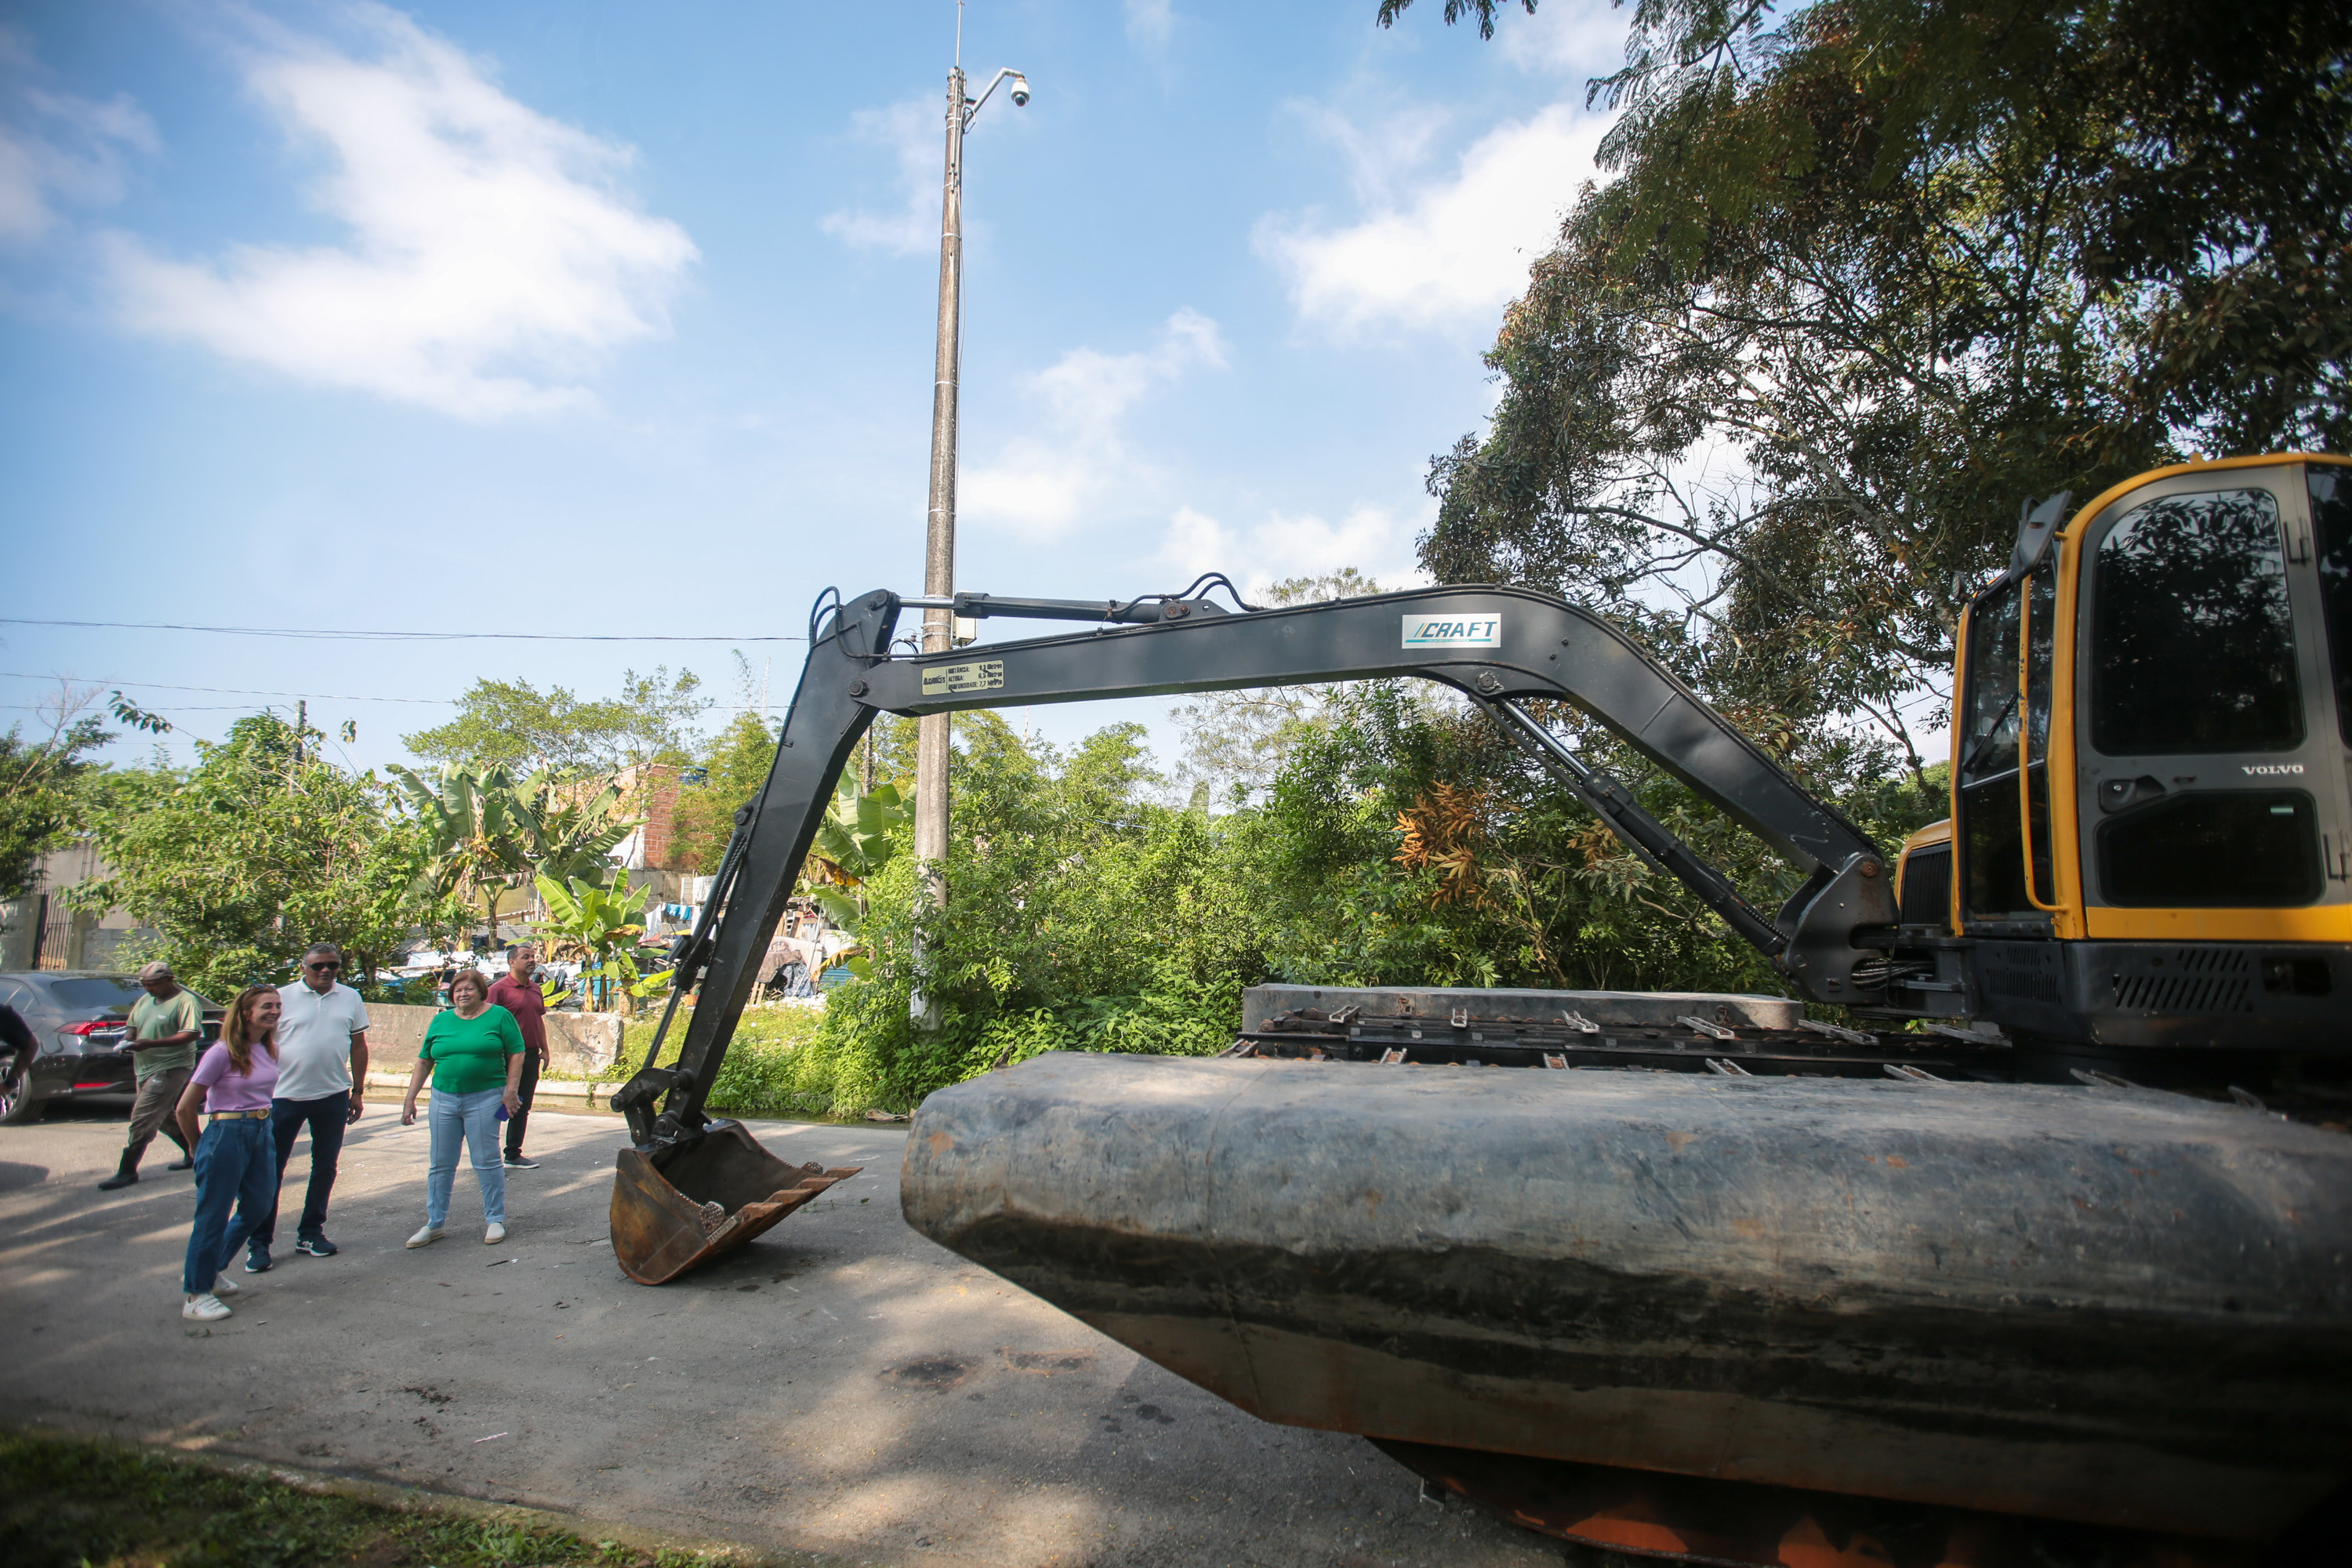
(1502, 647)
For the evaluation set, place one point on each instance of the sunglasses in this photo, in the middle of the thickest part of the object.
(322, 968)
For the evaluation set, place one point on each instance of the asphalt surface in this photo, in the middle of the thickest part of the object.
(841, 1386)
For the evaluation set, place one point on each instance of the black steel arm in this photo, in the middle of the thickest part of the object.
(1502, 647)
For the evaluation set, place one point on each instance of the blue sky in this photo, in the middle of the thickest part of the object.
(583, 317)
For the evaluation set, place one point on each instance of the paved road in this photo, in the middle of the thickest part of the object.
(840, 1386)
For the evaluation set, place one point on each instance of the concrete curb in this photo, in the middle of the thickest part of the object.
(404, 1499)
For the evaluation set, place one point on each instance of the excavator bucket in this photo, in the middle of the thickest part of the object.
(691, 1203)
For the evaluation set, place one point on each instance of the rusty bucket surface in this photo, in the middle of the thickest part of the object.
(687, 1205)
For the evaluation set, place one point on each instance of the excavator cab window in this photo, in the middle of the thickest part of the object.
(2193, 684)
(2041, 650)
(1992, 848)
(2192, 639)
(2331, 512)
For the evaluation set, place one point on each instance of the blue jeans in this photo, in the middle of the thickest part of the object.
(474, 1118)
(237, 1162)
(327, 1118)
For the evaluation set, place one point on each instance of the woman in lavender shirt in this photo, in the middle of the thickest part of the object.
(237, 1159)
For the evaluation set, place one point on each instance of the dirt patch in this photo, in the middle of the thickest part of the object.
(937, 1373)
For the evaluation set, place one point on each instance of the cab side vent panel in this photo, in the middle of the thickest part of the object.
(2187, 979)
(2021, 971)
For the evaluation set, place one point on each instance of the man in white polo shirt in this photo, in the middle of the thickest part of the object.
(322, 1058)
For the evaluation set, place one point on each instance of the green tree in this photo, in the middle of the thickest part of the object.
(1871, 274)
(258, 850)
(512, 724)
(38, 780)
(735, 769)
(1241, 739)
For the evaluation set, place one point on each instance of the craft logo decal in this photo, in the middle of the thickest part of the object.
(1453, 631)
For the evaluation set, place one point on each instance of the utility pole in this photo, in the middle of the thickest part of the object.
(932, 733)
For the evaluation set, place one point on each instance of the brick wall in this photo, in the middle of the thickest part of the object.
(660, 808)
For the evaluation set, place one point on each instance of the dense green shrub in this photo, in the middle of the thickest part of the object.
(1402, 843)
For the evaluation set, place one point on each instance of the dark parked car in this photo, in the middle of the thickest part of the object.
(79, 1020)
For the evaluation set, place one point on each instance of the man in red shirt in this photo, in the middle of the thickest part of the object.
(517, 991)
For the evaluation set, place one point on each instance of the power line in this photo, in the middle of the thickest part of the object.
(317, 634)
(218, 691)
(176, 708)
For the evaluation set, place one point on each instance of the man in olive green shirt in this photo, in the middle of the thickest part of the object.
(167, 1030)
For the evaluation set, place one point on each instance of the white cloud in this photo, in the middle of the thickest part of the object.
(1387, 153)
(58, 149)
(1587, 38)
(1149, 23)
(1374, 540)
(1039, 487)
(491, 255)
(1445, 253)
(911, 132)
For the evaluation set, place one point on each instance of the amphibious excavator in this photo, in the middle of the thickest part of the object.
(2041, 1251)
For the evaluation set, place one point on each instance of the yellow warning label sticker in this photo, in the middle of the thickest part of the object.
(952, 679)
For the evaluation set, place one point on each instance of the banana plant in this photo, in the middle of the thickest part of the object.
(852, 843)
(478, 849)
(597, 925)
(570, 830)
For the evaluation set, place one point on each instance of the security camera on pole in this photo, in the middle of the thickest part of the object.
(938, 551)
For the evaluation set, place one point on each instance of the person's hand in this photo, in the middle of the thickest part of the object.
(408, 1111)
(546, 1058)
(357, 1106)
(512, 1101)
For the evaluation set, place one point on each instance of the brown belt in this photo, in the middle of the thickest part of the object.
(237, 1115)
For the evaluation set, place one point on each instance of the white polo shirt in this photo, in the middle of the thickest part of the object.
(314, 1040)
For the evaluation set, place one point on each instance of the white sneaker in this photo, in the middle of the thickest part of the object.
(224, 1286)
(494, 1235)
(205, 1308)
(425, 1238)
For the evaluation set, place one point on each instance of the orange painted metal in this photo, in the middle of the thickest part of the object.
(1689, 1519)
(685, 1206)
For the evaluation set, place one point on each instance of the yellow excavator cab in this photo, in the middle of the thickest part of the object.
(2151, 832)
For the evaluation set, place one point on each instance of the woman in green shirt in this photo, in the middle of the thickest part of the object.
(475, 1054)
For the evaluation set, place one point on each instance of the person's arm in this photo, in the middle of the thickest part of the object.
(359, 1074)
(510, 1036)
(192, 1104)
(417, 1074)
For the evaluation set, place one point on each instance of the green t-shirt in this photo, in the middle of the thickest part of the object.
(153, 1020)
(469, 1055)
